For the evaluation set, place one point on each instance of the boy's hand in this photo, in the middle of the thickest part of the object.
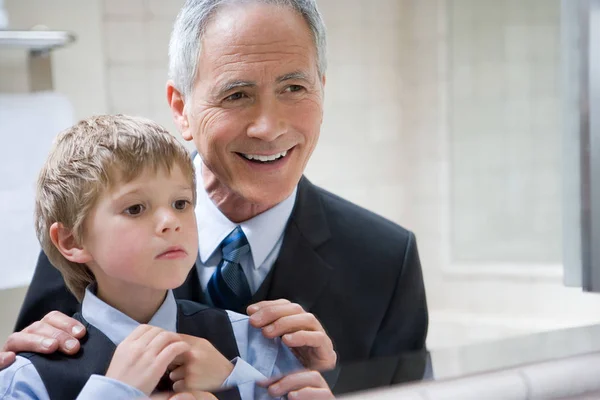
(201, 368)
(143, 357)
(304, 385)
(54, 332)
(300, 331)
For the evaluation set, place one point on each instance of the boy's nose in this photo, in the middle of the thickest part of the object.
(168, 221)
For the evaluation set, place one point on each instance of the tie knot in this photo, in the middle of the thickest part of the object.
(235, 245)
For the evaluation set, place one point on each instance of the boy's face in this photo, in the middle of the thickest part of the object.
(143, 232)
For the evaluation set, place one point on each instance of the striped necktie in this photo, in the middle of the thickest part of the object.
(228, 287)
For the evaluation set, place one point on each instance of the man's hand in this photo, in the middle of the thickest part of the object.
(300, 331)
(142, 358)
(54, 332)
(201, 368)
(183, 396)
(304, 385)
(6, 359)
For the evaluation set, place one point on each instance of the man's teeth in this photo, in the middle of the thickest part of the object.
(265, 158)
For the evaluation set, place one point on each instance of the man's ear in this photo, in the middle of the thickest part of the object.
(323, 81)
(65, 242)
(177, 105)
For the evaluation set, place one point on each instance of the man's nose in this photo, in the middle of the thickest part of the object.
(270, 121)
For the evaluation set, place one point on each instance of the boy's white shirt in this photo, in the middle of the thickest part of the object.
(258, 359)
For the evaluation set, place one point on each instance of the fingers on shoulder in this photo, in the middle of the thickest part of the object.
(23, 341)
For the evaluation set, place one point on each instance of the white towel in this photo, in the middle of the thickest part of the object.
(29, 122)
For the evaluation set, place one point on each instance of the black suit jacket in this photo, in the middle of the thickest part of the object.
(359, 273)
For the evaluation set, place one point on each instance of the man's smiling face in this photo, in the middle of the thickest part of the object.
(257, 105)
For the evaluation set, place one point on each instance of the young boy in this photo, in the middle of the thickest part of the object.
(115, 214)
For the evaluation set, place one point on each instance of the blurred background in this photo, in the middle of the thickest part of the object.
(445, 116)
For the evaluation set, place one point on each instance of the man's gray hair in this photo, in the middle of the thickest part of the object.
(190, 25)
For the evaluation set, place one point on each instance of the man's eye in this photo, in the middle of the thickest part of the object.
(134, 210)
(181, 204)
(295, 88)
(235, 96)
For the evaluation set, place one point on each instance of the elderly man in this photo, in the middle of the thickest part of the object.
(246, 85)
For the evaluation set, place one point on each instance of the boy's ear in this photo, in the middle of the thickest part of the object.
(177, 105)
(65, 242)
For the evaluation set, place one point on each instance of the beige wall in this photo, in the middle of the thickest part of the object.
(79, 70)
(136, 34)
(505, 130)
(492, 299)
(386, 142)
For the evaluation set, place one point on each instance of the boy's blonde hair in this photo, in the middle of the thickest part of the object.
(87, 159)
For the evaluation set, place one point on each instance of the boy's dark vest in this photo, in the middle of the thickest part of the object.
(65, 376)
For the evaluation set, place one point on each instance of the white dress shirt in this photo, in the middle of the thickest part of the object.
(259, 357)
(264, 233)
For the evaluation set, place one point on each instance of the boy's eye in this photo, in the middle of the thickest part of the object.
(134, 210)
(180, 204)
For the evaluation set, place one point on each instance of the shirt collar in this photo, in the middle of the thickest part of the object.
(116, 325)
(262, 231)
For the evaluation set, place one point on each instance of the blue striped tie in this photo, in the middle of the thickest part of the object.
(228, 287)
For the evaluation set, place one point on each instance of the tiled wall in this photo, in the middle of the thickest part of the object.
(360, 153)
(136, 38)
(505, 130)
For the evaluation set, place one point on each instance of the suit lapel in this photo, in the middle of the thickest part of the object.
(300, 274)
